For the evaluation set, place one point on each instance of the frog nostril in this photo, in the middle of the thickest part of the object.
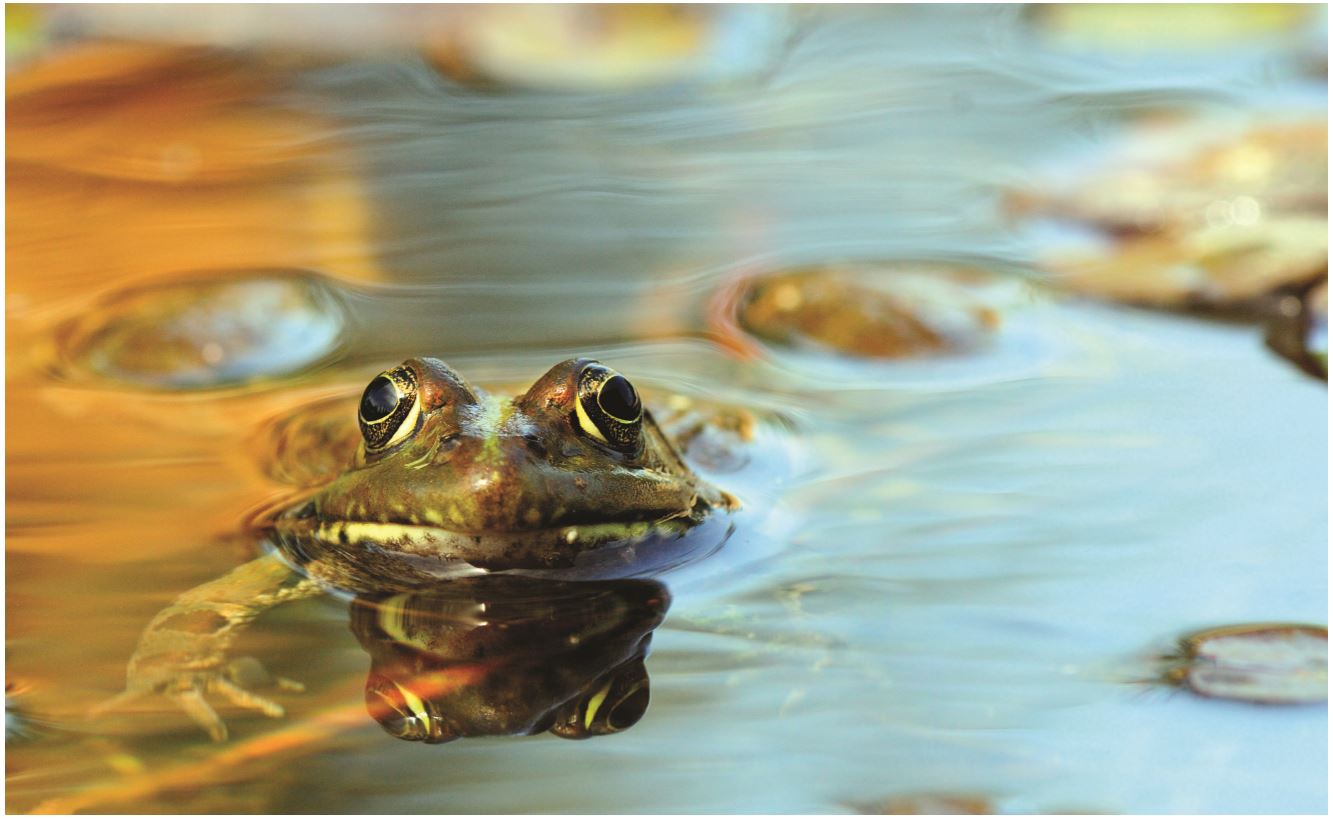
(535, 445)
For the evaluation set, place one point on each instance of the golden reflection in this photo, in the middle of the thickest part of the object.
(130, 163)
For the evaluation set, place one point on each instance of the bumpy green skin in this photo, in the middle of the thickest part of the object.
(482, 484)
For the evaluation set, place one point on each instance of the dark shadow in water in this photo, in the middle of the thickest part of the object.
(504, 655)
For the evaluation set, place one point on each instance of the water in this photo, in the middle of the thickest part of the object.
(949, 576)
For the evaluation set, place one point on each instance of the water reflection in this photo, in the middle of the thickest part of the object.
(503, 655)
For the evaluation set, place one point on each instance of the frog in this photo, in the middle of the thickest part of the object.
(572, 479)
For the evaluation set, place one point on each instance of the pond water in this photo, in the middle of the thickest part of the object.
(950, 575)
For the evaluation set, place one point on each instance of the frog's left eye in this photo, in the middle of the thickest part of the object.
(608, 408)
(390, 408)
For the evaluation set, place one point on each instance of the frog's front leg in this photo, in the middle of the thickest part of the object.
(183, 653)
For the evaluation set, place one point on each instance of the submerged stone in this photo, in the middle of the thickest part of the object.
(889, 311)
(203, 334)
(1269, 663)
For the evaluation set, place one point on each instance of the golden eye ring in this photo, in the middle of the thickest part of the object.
(399, 712)
(615, 705)
(390, 409)
(608, 408)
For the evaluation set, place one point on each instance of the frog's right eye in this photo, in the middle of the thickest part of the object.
(387, 707)
(402, 713)
(608, 409)
(390, 409)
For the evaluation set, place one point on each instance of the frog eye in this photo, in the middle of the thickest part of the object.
(390, 408)
(617, 704)
(386, 702)
(402, 713)
(608, 408)
(625, 710)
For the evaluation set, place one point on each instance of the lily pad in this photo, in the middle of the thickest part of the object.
(1270, 663)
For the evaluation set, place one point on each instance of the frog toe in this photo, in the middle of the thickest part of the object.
(246, 699)
(117, 702)
(247, 672)
(192, 702)
(285, 684)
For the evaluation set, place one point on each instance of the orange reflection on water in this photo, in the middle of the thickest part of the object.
(127, 165)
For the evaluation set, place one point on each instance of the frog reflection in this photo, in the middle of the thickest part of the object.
(509, 655)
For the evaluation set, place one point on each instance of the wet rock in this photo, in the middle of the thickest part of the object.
(887, 311)
(203, 334)
(1269, 663)
(1296, 326)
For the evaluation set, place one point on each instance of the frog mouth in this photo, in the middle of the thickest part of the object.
(406, 536)
(431, 527)
(368, 551)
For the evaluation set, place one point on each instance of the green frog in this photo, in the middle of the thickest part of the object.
(573, 480)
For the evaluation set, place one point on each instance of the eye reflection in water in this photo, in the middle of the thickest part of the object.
(498, 655)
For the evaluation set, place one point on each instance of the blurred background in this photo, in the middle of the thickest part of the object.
(1032, 301)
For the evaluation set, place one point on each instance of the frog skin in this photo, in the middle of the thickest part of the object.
(502, 654)
(572, 479)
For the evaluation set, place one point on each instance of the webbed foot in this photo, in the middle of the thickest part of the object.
(183, 654)
(187, 688)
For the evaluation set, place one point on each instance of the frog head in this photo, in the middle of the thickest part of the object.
(571, 475)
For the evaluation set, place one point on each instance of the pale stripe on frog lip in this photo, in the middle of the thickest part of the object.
(402, 533)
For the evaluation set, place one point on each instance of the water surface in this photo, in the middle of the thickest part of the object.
(950, 576)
